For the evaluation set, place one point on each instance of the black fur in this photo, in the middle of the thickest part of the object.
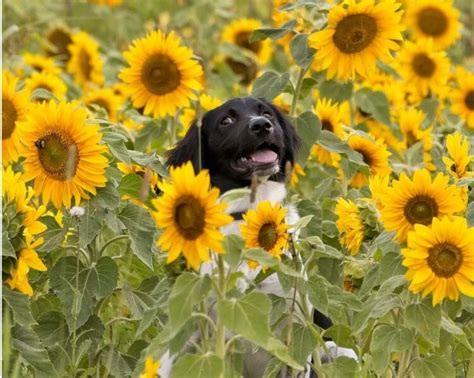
(222, 144)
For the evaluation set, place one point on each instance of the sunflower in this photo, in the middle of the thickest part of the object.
(238, 33)
(265, 228)
(147, 174)
(295, 173)
(378, 185)
(350, 225)
(162, 74)
(186, 118)
(106, 99)
(282, 103)
(131, 125)
(190, 216)
(458, 159)
(417, 201)
(46, 81)
(463, 99)
(423, 67)
(63, 154)
(58, 39)
(85, 63)
(110, 3)
(440, 259)
(374, 154)
(356, 36)
(410, 120)
(328, 114)
(41, 63)
(14, 109)
(380, 131)
(151, 368)
(438, 20)
(27, 259)
(15, 191)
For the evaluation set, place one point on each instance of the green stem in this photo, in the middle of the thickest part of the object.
(221, 293)
(470, 368)
(403, 365)
(299, 83)
(108, 242)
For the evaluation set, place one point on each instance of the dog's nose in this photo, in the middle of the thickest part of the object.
(261, 126)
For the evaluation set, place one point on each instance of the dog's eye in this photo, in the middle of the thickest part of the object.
(226, 121)
(267, 115)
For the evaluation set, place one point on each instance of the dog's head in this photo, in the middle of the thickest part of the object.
(242, 138)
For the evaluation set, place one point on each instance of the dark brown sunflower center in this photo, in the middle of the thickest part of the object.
(432, 21)
(37, 67)
(60, 39)
(365, 156)
(103, 104)
(247, 72)
(242, 40)
(9, 117)
(469, 100)
(85, 64)
(423, 65)
(58, 156)
(267, 236)
(445, 259)
(421, 209)
(189, 217)
(160, 75)
(410, 138)
(354, 33)
(327, 125)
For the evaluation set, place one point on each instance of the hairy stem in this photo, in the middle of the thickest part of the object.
(299, 83)
(110, 241)
(220, 334)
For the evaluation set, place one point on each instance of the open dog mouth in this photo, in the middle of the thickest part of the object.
(264, 160)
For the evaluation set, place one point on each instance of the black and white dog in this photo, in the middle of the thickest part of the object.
(244, 141)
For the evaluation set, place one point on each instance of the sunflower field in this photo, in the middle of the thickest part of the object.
(103, 245)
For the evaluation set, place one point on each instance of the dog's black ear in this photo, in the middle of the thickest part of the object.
(292, 140)
(186, 150)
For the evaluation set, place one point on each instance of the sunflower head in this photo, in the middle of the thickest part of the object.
(423, 67)
(59, 38)
(436, 20)
(63, 154)
(418, 201)
(162, 75)
(265, 228)
(356, 36)
(42, 80)
(439, 258)
(106, 99)
(463, 99)
(350, 225)
(458, 159)
(238, 33)
(190, 216)
(85, 63)
(14, 109)
(40, 63)
(374, 154)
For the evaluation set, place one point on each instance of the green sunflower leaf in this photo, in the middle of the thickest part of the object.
(270, 85)
(198, 366)
(248, 316)
(273, 33)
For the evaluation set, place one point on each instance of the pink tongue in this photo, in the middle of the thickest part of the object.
(264, 156)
